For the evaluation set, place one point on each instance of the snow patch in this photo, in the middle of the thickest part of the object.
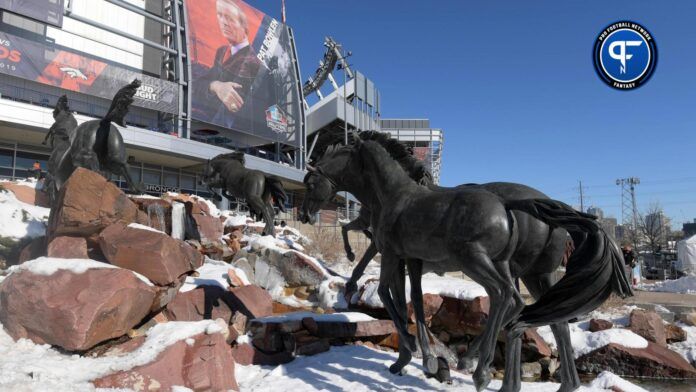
(143, 227)
(683, 285)
(348, 317)
(50, 265)
(610, 381)
(686, 349)
(20, 219)
(235, 220)
(213, 273)
(585, 342)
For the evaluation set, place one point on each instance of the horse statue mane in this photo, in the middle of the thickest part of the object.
(235, 156)
(120, 104)
(415, 168)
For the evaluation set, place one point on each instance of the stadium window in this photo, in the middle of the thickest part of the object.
(6, 158)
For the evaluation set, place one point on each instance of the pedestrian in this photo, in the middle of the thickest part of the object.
(629, 260)
(36, 170)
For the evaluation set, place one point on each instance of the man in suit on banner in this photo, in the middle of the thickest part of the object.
(234, 92)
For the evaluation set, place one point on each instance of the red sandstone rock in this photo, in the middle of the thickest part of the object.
(600, 325)
(149, 208)
(648, 325)
(342, 329)
(206, 364)
(201, 303)
(73, 311)
(674, 334)
(159, 257)
(252, 301)
(87, 204)
(246, 354)
(431, 305)
(65, 247)
(209, 227)
(533, 346)
(461, 317)
(35, 249)
(27, 194)
(654, 361)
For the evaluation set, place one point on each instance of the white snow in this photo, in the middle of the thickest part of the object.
(683, 285)
(144, 227)
(213, 273)
(361, 369)
(178, 219)
(25, 366)
(19, 219)
(349, 317)
(585, 341)
(235, 220)
(686, 349)
(50, 265)
(432, 284)
(609, 380)
(214, 211)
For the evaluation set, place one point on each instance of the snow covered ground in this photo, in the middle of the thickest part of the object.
(683, 285)
(359, 368)
(19, 219)
(25, 366)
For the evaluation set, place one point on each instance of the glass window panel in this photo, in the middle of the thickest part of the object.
(25, 160)
(6, 158)
(5, 172)
(151, 177)
(188, 182)
(171, 179)
(135, 173)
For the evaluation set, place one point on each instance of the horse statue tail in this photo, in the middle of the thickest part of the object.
(119, 105)
(278, 192)
(595, 269)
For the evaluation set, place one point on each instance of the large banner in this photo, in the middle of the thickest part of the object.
(243, 75)
(41, 62)
(46, 11)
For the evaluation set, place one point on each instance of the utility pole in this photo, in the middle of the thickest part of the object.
(582, 204)
(629, 211)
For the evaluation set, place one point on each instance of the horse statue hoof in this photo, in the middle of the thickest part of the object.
(430, 363)
(481, 381)
(397, 369)
(441, 372)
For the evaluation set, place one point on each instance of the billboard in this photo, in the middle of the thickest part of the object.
(60, 67)
(243, 73)
(46, 11)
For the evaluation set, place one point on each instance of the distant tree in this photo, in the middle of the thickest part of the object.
(651, 226)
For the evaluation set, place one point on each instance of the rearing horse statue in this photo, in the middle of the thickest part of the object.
(97, 145)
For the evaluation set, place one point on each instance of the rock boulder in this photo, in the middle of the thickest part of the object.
(73, 310)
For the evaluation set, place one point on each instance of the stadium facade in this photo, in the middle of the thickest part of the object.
(216, 75)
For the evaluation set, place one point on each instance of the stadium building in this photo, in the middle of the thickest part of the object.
(216, 75)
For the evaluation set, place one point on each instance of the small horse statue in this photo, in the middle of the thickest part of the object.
(227, 171)
(96, 145)
(473, 230)
(59, 137)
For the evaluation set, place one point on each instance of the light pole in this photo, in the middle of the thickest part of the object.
(343, 65)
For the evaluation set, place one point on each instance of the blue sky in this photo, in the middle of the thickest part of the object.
(513, 87)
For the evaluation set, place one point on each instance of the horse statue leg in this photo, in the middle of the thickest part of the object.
(392, 281)
(256, 203)
(352, 284)
(357, 224)
(430, 362)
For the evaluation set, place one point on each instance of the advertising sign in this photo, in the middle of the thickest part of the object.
(46, 11)
(243, 75)
(40, 62)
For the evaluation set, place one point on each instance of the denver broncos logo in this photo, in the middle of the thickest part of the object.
(74, 73)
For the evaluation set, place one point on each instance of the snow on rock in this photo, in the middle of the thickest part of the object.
(683, 285)
(213, 273)
(26, 366)
(686, 349)
(348, 317)
(235, 220)
(20, 219)
(361, 369)
(584, 341)
(214, 211)
(50, 265)
(143, 227)
(432, 284)
(610, 381)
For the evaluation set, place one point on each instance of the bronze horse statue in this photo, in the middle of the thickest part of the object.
(227, 171)
(59, 137)
(491, 240)
(97, 145)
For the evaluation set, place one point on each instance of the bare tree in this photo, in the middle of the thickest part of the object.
(651, 225)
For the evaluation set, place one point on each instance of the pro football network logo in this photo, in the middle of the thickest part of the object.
(625, 55)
